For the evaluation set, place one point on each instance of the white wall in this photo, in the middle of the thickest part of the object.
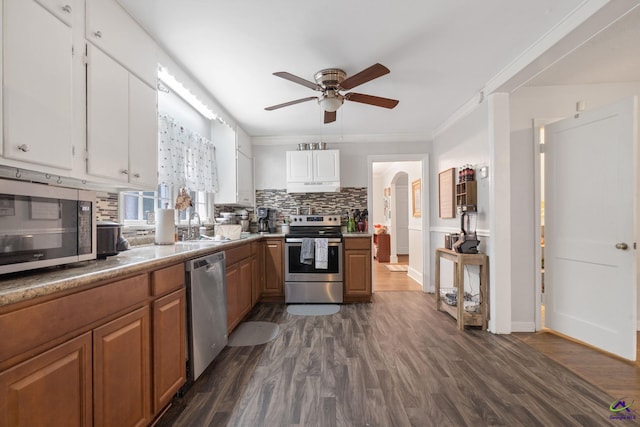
(465, 142)
(270, 166)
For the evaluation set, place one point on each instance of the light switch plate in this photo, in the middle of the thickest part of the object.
(484, 171)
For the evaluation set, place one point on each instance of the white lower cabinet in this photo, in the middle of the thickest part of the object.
(36, 85)
(121, 124)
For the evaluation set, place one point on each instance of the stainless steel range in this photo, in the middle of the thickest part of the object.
(313, 259)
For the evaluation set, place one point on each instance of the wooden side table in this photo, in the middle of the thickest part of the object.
(383, 247)
(459, 262)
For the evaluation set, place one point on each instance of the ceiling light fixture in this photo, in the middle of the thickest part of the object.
(331, 101)
(184, 93)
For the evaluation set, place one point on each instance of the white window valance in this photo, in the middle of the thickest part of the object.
(185, 158)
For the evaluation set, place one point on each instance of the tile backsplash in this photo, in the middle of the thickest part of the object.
(107, 207)
(286, 203)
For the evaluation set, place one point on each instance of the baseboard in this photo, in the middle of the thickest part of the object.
(523, 326)
(415, 275)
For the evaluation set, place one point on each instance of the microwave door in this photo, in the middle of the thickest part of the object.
(37, 228)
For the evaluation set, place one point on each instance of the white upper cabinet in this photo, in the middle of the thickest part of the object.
(143, 134)
(246, 192)
(313, 171)
(121, 124)
(299, 166)
(61, 9)
(235, 168)
(111, 28)
(107, 117)
(326, 165)
(37, 83)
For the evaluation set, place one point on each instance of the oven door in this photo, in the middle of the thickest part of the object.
(299, 272)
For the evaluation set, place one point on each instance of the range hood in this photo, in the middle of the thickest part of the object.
(313, 187)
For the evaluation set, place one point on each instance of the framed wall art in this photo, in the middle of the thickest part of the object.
(416, 198)
(446, 193)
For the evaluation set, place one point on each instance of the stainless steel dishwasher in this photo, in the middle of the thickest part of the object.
(207, 296)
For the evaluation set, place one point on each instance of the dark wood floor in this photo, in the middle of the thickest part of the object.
(395, 362)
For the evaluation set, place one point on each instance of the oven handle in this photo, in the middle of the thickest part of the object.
(329, 240)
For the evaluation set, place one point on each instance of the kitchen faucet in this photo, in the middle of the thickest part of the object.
(192, 216)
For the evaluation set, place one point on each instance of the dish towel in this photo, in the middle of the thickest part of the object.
(322, 255)
(306, 251)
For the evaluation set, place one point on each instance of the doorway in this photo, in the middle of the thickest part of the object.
(581, 262)
(389, 208)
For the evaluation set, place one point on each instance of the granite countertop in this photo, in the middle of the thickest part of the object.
(357, 234)
(17, 287)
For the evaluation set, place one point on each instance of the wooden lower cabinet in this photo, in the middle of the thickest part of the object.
(51, 389)
(272, 270)
(169, 357)
(357, 269)
(239, 284)
(255, 273)
(122, 371)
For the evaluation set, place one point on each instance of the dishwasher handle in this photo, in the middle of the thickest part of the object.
(205, 262)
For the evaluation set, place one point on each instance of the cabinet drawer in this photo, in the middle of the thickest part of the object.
(236, 254)
(45, 322)
(167, 279)
(357, 243)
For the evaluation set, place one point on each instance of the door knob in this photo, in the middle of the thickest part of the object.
(622, 246)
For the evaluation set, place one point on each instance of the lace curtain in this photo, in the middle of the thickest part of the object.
(185, 158)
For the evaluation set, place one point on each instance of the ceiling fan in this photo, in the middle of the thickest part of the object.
(330, 82)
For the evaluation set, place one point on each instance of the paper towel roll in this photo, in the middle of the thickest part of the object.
(165, 228)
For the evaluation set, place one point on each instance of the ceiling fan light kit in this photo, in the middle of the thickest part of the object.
(330, 82)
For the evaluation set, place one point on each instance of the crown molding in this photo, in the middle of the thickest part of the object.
(340, 139)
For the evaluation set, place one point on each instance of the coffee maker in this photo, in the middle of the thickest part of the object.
(468, 241)
(263, 220)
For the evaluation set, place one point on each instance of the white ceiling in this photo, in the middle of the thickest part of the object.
(440, 53)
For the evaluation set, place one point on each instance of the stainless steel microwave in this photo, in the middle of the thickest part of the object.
(43, 226)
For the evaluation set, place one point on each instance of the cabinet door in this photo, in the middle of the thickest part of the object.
(326, 165)
(224, 139)
(357, 273)
(245, 179)
(62, 9)
(37, 85)
(51, 389)
(244, 290)
(273, 264)
(169, 359)
(143, 135)
(107, 117)
(110, 27)
(299, 166)
(255, 281)
(121, 371)
(233, 306)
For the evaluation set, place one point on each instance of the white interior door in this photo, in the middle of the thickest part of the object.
(590, 280)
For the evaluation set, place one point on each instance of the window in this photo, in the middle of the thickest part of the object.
(135, 206)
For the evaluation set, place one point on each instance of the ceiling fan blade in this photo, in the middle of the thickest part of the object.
(373, 72)
(286, 104)
(371, 100)
(329, 116)
(299, 80)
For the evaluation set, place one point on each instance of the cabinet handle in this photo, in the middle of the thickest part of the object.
(622, 246)
(98, 34)
(24, 148)
(66, 8)
(124, 172)
(136, 175)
